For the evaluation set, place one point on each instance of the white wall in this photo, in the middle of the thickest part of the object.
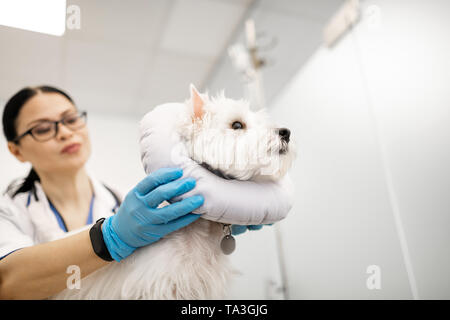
(371, 117)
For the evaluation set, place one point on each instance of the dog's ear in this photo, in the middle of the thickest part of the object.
(197, 102)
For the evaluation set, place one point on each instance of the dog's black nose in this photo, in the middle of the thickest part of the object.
(284, 133)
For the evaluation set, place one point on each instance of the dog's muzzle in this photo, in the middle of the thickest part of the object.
(284, 134)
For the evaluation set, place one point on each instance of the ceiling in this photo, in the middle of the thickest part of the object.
(129, 56)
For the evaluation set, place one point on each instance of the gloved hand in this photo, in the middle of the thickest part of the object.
(139, 222)
(238, 229)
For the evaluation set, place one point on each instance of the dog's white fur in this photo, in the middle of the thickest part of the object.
(248, 154)
(188, 263)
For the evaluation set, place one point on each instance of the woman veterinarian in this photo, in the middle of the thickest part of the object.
(44, 127)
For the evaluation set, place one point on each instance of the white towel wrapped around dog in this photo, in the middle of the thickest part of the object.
(226, 201)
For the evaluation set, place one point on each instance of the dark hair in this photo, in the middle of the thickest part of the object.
(10, 115)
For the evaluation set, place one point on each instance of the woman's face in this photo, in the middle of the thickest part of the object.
(48, 156)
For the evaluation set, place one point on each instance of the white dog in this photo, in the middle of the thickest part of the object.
(234, 142)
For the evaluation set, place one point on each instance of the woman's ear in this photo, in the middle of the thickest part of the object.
(15, 151)
(197, 103)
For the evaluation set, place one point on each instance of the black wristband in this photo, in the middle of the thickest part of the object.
(98, 244)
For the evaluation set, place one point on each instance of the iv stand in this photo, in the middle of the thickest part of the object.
(249, 64)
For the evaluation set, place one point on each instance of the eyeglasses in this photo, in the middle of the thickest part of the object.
(47, 130)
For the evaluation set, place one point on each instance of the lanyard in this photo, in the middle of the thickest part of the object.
(60, 219)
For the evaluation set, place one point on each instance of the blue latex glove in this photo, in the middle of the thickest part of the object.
(139, 222)
(238, 229)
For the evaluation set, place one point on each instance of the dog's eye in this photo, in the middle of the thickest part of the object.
(237, 125)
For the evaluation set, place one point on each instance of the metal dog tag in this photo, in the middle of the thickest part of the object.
(228, 243)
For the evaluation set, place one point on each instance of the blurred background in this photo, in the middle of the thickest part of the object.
(362, 85)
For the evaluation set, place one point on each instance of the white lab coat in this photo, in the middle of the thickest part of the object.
(25, 221)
